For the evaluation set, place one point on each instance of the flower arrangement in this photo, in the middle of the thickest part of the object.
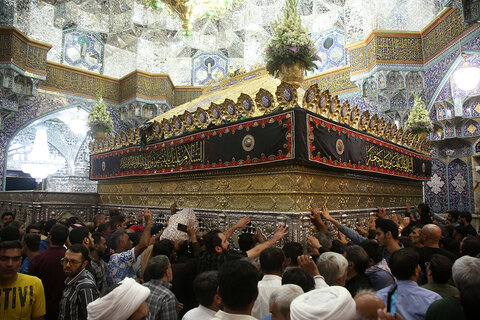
(99, 119)
(418, 119)
(290, 42)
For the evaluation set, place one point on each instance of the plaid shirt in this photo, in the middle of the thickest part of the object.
(161, 302)
(99, 268)
(78, 292)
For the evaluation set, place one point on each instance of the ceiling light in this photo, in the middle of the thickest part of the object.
(467, 77)
(190, 10)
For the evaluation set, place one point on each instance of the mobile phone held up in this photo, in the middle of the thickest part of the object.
(182, 227)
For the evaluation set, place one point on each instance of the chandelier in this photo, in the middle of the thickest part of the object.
(190, 10)
(39, 163)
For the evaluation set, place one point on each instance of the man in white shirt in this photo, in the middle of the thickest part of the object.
(272, 263)
(205, 290)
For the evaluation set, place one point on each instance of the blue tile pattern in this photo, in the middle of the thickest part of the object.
(471, 128)
(331, 49)
(361, 103)
(459, 186)
(208, 66)
(436, 193)
(449, 130)
(435, 71)
(398, 102)
(474, 43)
(83, 50)
(446, 92)
(433, 113)
(473, 104)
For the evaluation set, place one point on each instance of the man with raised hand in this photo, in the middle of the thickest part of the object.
(217, 248)
(121, 262)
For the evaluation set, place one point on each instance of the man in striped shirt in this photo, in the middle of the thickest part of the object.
(80, 288)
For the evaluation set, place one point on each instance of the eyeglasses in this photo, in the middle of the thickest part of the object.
(65, 261)
(7, 259)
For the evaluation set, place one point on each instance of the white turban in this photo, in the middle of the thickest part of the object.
(327, 303)
(120, 303)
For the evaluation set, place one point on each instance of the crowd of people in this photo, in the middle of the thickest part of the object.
(418, 266)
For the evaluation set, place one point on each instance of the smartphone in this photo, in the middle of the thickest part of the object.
(182, 227)
(392, 299)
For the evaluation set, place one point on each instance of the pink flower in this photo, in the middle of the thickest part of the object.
(269, 49)
(293, 49)
(318, 58)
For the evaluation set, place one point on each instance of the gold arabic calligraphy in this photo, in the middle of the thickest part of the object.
(175, 156)
(388, 159)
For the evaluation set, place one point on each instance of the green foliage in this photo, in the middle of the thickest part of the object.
(290, 42)
(418, 119)
(99, 119)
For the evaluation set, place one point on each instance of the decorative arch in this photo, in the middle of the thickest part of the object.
(473, 105)
(438, 133)
(414, 80)
(395, 80)
(470, 128)
(37, 107)
(398, 102)
(449, 130)
(449, 64)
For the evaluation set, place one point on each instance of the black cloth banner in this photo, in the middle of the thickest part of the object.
(340, 146)
(295, 134)
(262, 140)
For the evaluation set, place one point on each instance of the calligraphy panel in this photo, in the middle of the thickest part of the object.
(68, 80)
(342, 147)
(405, 49)
(336, 82)
(440, 36)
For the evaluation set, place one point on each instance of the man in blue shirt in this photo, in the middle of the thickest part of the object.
(412, 301)
(121, 262)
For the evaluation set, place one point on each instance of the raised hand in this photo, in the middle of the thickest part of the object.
(371, 223)
(281, 232)
(242, 223)
(147, 215)
(395, 218)
(306, 263)
(326, 214)
(341, 237)
(381, 212)
(315, 214)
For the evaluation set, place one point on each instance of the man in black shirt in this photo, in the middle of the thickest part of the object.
(464, 220)
(431, 235)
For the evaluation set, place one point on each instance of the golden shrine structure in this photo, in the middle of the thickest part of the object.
(255, 145)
